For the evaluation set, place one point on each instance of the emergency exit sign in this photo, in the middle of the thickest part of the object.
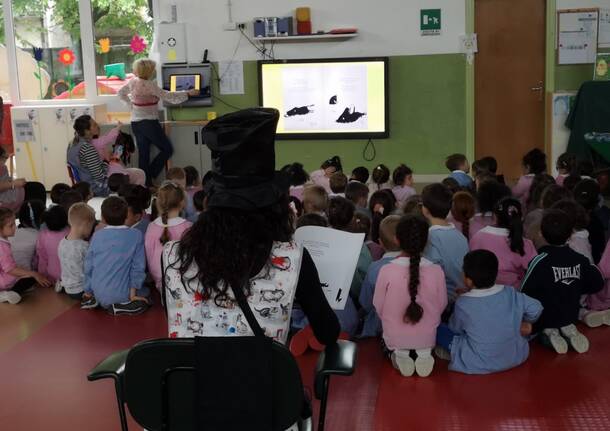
(430, 23)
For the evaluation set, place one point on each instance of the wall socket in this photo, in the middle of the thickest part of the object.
(229, 26)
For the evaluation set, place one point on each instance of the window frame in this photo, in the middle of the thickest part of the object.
(88, 60)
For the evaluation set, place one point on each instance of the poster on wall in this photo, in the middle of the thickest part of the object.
(604, 28)
(577, 37)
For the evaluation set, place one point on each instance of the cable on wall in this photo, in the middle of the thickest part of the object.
(373, 151)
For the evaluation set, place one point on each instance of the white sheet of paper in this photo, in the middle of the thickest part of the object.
(604, 28)
(231, 75)
(24, 130)
(578, 37)
(335, 254)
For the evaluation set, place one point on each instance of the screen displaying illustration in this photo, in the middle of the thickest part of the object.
(327, 98)
(185, 82)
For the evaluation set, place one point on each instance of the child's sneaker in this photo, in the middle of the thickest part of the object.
(576, 340)
(424, 365)
(58, 286)
(594, 319)
(442, 353)
(130, 307)
(89, 303)
(10, 296)
(551, 337)
(403, 363)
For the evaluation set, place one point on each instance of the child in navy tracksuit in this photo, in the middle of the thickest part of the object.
(557, 277)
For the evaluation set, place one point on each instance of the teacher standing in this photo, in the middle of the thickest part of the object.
(143, 94)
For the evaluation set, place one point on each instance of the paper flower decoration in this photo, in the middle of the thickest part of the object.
(138, 44)
(37, 54)
(104, 45)
(38, 75)
(66, 56)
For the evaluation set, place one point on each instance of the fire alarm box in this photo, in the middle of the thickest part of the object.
(172, 42)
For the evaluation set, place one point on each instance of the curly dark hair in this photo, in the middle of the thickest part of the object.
(228, 247)
(412, 234)
(489, 193)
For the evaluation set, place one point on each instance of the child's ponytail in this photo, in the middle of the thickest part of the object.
(169, 197)
(510, 216)
(412, 234)
(463, 209)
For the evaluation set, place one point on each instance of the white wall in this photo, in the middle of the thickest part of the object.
(386, 27)
(582, 4)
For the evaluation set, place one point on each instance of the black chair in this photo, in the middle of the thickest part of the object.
(156, 380)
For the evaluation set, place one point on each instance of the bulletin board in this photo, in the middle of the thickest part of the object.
(577, 36)
(604, 28)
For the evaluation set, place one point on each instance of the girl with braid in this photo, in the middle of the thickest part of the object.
(410, 296)
(169, 226)
(506, 241)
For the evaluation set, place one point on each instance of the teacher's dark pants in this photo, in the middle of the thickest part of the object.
(147, 133)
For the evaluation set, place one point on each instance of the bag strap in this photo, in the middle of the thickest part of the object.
(245, 308)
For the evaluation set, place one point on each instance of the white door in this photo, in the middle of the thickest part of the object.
(28, 155)
(55, 124)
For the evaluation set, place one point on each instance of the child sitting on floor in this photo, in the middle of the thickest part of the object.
(463, 209)
(402, 177)
(337, 183)
(487, 329)
(199, 203)
(56, 221)
(73, 249)
(115, 264)
(506, 241)
(389, 243)
(57, 191)
(14, 281)
(410, 296)
(579, 241)
(459, 167)
(534, 163)
(557, 277)
(446, 245)
(315, 200)
(116, 182)
(566, 165)
(169, 226)
(358, 193)
(23, 244)
(193, 185)
(138, 200)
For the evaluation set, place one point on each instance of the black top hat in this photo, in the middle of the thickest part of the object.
(243, 160)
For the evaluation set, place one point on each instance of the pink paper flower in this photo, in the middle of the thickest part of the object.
(138, 44)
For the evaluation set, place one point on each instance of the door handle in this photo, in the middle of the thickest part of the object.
(196, 138)
(539, 89)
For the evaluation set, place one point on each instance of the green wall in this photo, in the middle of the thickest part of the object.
(427, 117)
(571, 77)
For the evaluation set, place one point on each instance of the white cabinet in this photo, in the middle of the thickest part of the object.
(44, 158)
(189, 149)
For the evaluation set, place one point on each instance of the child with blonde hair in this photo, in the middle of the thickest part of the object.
(410, 296)
(73, 249)
(315, 200)
(169, 226)
(142, 94)
(14, 280)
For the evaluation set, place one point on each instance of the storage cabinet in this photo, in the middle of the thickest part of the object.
(188, 146)
(44, 158)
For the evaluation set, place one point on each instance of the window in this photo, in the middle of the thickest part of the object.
(49, 52)
(4, 79)
(122, 32)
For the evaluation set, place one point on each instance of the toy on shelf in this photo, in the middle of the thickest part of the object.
(303, 16)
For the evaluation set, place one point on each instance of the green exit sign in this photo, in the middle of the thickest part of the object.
(430, 23)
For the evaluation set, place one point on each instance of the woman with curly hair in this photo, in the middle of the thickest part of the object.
(241, 250)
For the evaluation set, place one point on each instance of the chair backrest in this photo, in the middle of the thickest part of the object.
(160, 385)
(73, 174)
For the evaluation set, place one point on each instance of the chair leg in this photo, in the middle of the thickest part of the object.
(121, 405)
(322, 414)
